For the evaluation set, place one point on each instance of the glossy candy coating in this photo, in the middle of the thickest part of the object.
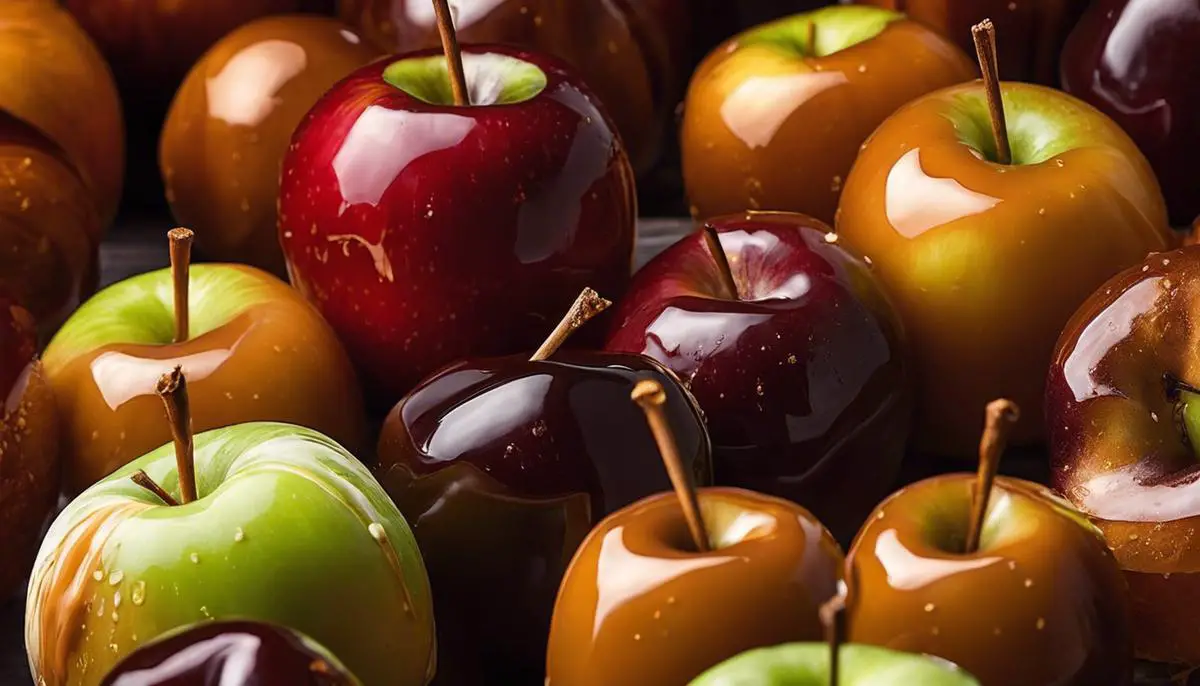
(1122, 441)
(1134, 60)
(232, 120)
(428, 233)
(803, 381)
(640, 607)
(1042, 586)
(773, 122)
(503, 466)
(985, 262)
(231, 653)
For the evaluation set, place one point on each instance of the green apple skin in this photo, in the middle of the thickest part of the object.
(807, 664)
(289, 529)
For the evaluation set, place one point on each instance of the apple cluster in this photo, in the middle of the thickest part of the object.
(390, 429)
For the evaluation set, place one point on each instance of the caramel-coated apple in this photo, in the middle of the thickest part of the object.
(627, 52)
(1033, 30)
(796, 358)
(29, 455)
(978, 569)
(1133, 59)
(775, 116)
(987, 244)
(1124, 419)
(252, 348)
(230, 124)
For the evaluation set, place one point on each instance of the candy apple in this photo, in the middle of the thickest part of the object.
(1033, 30)
(254, 350)
(232, 120)
(629, 52)
(640, 605)
(231, 653)
(1124, 415)
(810, 87)
(715, 20)
(1133, 60)
(29, 456)
(807, 664)
(946, 225)
(503, 466)
(288, 528)
(796, 359)
(387, 183)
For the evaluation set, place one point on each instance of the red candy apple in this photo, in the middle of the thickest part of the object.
(427, 232)
(798, 364)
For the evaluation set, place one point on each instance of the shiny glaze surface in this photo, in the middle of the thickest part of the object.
(232, 120)
(1134, 59)
(625, 50)
(767, 127)
(1041, 603)
(29, 456)
(1030, 32)
(1117, 445)
(640, 607)
(276, 360)
(230, 653)
(986, 262)
(52, 73)
(803, 383)
(502, 467)
(383, 207)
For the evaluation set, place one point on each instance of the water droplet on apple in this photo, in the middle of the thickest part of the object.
(1028, 583)
(637, 637)
(98, 575)
(377, 531)
(138, 594)
(930, 607)
(239, 535)
(116, 600)
(670, 600)
(1041, 623)
(195, 557)
(112, 647)
(116, 578)
(539, 428)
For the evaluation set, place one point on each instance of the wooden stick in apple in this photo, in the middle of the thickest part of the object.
(713, 240)
(454, 63)
(984, 34)
(172, 388)
(1001, 414)
(650, 396)
(141, 478)
(833, 616)
(181, 259)
(587, 305)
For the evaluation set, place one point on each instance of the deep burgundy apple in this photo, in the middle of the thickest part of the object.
(427, 232)
(1135, 61)
(801, 373)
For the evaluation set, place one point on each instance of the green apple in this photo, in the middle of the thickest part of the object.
(807, 664)
(289, 528)
(256, 351)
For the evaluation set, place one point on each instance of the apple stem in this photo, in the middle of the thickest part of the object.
(833, 616)
(1000, 415)
(650, 396)
(172, 388)
(713, 240)
(984, 34)
(141, 478)
(181, 259)
(812, 38)
(454, 62)
(586, 306)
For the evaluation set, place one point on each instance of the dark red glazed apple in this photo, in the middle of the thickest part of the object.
(802, 374)
(1136, 61)
(502, 466)
(426, 232)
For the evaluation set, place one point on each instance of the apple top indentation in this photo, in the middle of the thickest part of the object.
(824, 31)
(492, 79)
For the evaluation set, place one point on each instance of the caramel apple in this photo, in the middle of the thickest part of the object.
(998, 575)
(232, 120)
(621, 49)
(1124, 417)
(674, 584)
(502, 466)
(1033, 30)
(775, 116)
(985, 254)
(251, 346)
(29, 457)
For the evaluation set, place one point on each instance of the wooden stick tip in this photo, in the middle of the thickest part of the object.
(170, 382)
(649, 393)
(180, 234)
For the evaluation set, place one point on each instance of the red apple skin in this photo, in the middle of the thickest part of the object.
(452, 232)
(804, 382)
(1135, 61)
